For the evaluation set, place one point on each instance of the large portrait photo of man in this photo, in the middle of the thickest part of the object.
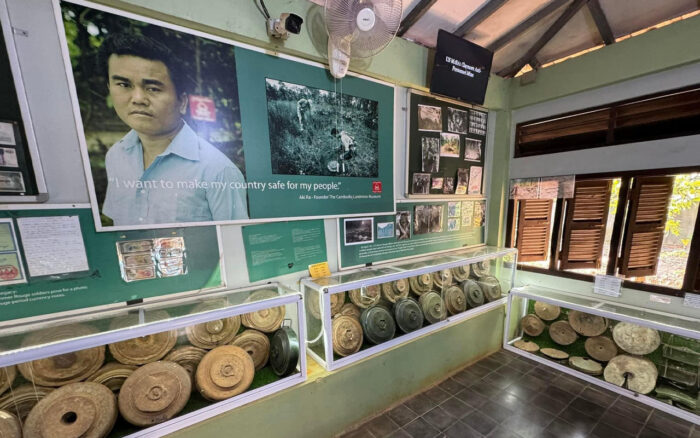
(161, 120)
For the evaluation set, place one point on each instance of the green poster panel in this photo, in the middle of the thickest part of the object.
(289, 150)
(102, 284)
(417, 228)
(280, 248)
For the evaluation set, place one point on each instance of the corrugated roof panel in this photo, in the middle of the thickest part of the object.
(578, 34)
(647, 13)
(512, 13)
(445, 14)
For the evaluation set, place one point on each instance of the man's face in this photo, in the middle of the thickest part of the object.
(144, 96)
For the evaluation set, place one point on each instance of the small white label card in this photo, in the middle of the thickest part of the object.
(692, 300)
(53, 245)
(659, 299)
(607, 285)
(7, 134)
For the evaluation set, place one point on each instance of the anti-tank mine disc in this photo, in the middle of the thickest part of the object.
(211, 334)
(284, 351)
(265, 320)
(257, 345)
(636, 339)
(63, 368)
(546, 311)
(587, 324)
(155, 393)
(433, 307)
(455, 300)
(491, 287)
(555, 354)
(473, 292)
(460, 273)
(366, 296)
(442, 279)
(377, 324)
(188, 357)
(83, 409)
(528, 346)
(408, 314)
(562, 333)
(586, 365)
(23, 398)
(394, 290)
(601, 348)
(532, 325)
(112, 375)
(349, 309)
(480, 269)
(224, 372)
(635, 373)
(10, 426)
(421, 284)
(143, 349)
(7, 376)
(346, 334)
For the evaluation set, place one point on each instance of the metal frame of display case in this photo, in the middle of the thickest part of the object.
(334, 364)
(674, 324)
(13, 357)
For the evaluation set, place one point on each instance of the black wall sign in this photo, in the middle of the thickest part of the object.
(461, 68)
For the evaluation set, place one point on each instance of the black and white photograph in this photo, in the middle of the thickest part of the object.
(160, 113)
(359, 231)
(421, 219)
(385, 230)
(7, 134)
(8, 157)
(457, 120)
(449, 145)
(453, 224)
(472, 149)
(475, 180)
(462, 181)
(477, 122)
(403, 225)
(448, 186)
(421, 183)
(436, 183)
(429, 118)
(11, 182)
(308, 138)
(436, 218)
(430, 158)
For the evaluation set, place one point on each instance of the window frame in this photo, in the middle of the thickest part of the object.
(618, 224)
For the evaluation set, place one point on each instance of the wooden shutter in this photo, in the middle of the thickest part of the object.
(534, 224)
(584, 228)
(646, 221)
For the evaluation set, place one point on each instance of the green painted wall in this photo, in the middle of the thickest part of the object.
(334, 402)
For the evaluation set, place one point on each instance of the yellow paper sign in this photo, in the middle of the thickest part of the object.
(318, 270)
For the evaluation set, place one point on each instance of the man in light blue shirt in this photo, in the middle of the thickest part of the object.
(161, 172)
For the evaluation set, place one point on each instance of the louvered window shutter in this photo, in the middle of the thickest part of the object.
(584, 229)
(646, 221)
(534, 223)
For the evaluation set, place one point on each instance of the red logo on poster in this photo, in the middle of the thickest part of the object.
(8, 272)
(376, 186)
(202, 108)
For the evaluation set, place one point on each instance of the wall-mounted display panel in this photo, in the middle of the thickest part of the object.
(446, 147)
(353, 315)
(182, 128)
(67, 265)
(21, 177)
(647, 355)
(417, 228)
(152, 369)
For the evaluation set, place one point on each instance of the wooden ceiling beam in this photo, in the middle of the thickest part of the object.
(527, 24)
(601, 22)
(416, 13)
(564, 18)
(484, 12)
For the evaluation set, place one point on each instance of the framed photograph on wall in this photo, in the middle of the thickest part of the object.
(446, 139)
(183, 128)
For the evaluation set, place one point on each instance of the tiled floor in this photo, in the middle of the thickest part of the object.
(506, 395)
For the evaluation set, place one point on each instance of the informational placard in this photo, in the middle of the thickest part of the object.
(103, 284)
(417, 228)
(552, 187)
(446, 147)
(691, 300)
(11, 267)
(231, 136)
(53, 245)
(280, 248)
(607, 285)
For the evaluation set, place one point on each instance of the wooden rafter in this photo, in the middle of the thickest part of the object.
(527, 24)
(416, 13)
(601, 22)
(564, 18)
(485, 11)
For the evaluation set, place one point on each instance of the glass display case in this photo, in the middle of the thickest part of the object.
(355, 314)
(152, 368)
(645, 354)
